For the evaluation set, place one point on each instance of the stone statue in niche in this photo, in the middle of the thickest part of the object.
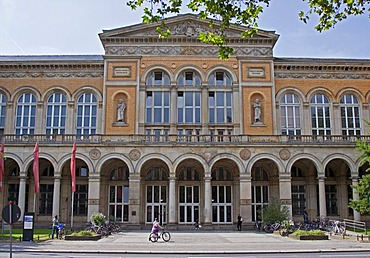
(257, 111)
(121, 110)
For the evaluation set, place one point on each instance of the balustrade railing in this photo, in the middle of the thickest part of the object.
(185, 139)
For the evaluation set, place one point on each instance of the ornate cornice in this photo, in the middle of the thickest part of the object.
(324, 69)
(329, 76)
(185, 51)
(51, 70)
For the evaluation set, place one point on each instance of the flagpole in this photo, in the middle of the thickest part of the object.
(73, 197)
(34, 202)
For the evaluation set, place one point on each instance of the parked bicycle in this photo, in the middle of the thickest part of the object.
(271, 227)
(162, 233)
(337, 227)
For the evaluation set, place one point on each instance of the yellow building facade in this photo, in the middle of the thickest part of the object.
(164, 129)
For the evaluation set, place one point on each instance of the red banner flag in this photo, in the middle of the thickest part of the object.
(1, 165)
(36, 167)
(73, 167)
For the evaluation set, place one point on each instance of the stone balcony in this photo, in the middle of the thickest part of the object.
(213, 140)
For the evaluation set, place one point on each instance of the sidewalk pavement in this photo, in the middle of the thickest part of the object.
(193, 242)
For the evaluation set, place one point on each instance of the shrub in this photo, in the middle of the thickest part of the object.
(97, 218)
(84, 233)
(274, 211)
(308, 233)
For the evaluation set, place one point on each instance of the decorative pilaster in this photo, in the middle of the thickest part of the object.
(356, 196)
(322, 197)
(22, 195)
(285, 190)
(56, 196)
(135, 188)
(94, 194)
(245, 182)
(172, 201)
(207, 200)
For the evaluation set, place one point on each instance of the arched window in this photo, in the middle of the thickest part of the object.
(119, 174)
(350, 115)
(320, 115)
(290, 115)
(220, 99)
(188, 78)
(220, 78)
(86, 114)
(56, 114)
(2, 112)
(189, 174)
(221, 174)
(158, 78)
(26, 114)
(157, 174)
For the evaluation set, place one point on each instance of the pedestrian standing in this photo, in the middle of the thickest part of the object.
(55, 229)
(239, 223)
(305, 216)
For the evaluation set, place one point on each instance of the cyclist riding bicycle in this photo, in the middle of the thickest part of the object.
(156, 226)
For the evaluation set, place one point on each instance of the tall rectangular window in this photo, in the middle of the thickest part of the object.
(298, 199)
(2, 112)
(157, 107)
(220, 107)
(80, 200)
(56, 113)
(25, 114)
(46, 198)
(87, 108)
(189, 107)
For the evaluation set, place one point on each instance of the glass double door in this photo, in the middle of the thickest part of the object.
(188, 204)
(156, 203)
(260, 194)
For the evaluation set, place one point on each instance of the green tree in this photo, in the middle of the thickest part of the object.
(362, 205)
(242, 12)
(274, 211)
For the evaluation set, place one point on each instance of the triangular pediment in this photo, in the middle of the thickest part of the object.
(181, 26)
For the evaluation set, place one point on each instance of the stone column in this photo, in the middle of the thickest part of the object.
(40, 127)
(94, 194)
(205, 110)
(285, 190)
(22, 194)
(246, 197)
(56, 196)
(9, 118)
(322, 197)
(366, 116)
(135, 189)
(306, 130)
(173, 109)
(336, 127)
(237, 118)
(172, 201)
(207, 200)
(356, 196)
(71, 118)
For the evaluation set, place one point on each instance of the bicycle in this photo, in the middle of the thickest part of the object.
(162, 233)
(337, 227)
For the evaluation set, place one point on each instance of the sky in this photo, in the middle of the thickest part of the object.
(71, 27)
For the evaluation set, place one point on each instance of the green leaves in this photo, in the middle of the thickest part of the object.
(243, 12)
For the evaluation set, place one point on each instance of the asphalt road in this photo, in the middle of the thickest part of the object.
(191, 243)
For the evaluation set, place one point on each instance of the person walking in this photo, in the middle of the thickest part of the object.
(305, 216)
(239, 223)
(55, 229)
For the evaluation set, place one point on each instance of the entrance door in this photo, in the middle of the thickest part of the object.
(188, 204)
(118, 203)
(259, 200)
(156, 203)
